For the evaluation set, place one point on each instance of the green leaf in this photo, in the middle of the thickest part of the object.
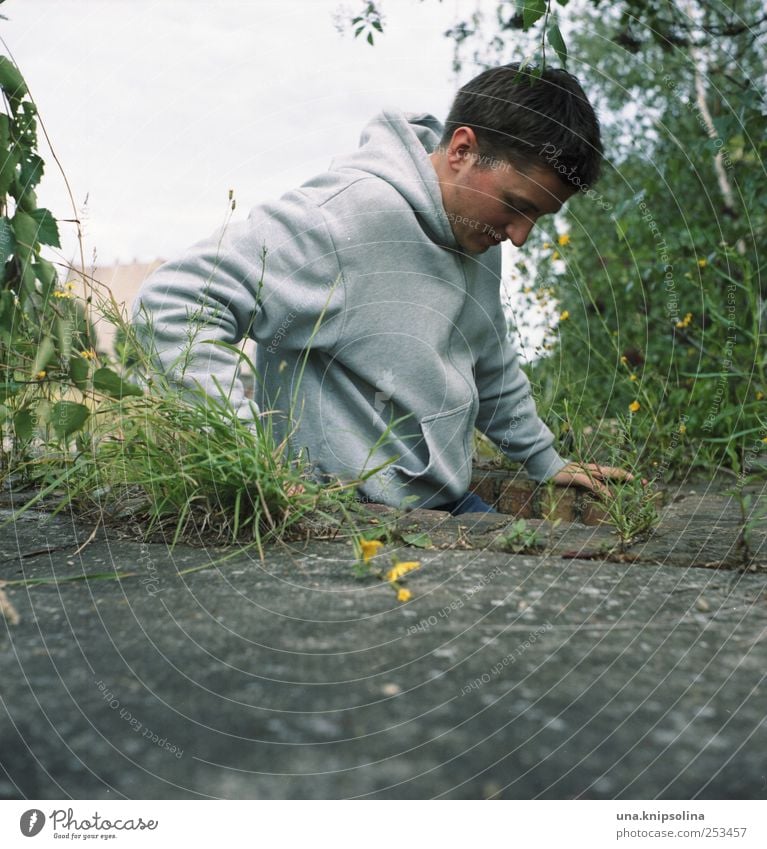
(370, 38)
(48, 230)
(27, 201)
(418, 540)
(28, 289)
(9, 159)
(31, 172)
(110, 383)
(78, 371)
(532, 10)
(23, 425)
(25, 135)
(7, 242)
(46, 274)
(558, 43)
(67, 417)
(7, 311)
(11, 80)
(25, 232)
(44, 355)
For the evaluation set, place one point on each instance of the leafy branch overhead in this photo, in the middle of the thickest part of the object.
(367, 22)
(527, 13)
(634, 23)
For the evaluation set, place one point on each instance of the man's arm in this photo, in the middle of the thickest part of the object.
(507, 411)
(508, 416)
(271, 277)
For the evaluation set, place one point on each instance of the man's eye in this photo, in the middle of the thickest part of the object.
(520, 210)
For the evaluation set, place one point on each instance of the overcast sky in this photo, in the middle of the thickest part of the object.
(157, 109)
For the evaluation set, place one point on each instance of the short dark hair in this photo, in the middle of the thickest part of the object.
(530, 117)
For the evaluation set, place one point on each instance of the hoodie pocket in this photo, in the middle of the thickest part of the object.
(447, 437)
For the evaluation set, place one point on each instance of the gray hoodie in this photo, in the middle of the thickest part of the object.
(398, 336)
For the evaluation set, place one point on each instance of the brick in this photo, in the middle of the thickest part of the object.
(592, 512)
(517, 498)
(560, 504)
(485, 487)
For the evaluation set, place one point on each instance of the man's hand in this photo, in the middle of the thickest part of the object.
(590, 476)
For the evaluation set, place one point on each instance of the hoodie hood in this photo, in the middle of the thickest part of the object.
(395, 147)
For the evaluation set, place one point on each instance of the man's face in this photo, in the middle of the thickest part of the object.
(487, 205)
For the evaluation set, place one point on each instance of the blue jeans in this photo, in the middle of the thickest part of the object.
(467, 503)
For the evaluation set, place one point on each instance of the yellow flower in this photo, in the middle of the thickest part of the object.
(702, 263)
(369, 548)
(634, 406)
(759, 396)
(66, 295)
(547, 245)
(633, 377)
(90, 354)
(403, 594)
(401, 569)
(70, 286)
(682, 428)
(624, 361)
(565, 315)
(40, 375)
(555, 255)
(564, 239)
(764, 440)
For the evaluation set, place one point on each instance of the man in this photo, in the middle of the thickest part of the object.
(373, 294)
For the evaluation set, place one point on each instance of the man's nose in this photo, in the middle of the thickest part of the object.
(519, 231)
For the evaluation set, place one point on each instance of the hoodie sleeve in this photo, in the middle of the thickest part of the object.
(271, 277)
(507, 413)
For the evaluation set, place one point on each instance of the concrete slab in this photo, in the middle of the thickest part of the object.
(506, 676)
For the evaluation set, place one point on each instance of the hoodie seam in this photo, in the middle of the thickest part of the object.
(339, 191)
(329, 231)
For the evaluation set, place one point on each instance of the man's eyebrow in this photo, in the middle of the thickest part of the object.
(517, 202)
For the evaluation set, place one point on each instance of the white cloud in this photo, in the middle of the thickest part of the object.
(157, 109)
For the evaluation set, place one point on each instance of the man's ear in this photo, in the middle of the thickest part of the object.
(463, 148)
